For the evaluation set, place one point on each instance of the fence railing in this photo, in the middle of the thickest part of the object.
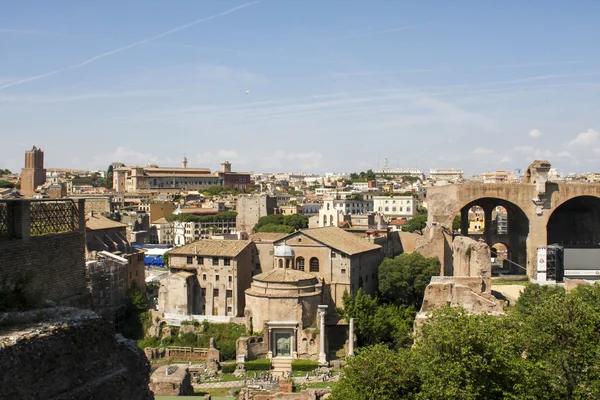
(22, 219)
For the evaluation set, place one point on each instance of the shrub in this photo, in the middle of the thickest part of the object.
(304, 365)
(228, 368)
(262, 364)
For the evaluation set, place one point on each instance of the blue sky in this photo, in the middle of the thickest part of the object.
(334, 85)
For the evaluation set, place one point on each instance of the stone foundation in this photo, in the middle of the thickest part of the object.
(171, 381)
(67, 353)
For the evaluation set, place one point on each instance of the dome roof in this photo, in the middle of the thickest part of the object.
(285, 275)
(284, 251)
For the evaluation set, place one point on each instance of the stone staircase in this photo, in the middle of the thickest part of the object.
(281, 364)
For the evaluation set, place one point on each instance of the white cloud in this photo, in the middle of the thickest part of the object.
(584, 139)
(207, 158)
(280, 161)
(535, 133)
(482, 150)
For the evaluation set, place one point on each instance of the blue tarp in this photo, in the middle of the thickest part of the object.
(154, 261)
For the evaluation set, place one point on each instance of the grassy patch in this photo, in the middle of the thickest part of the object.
(316, 385)
(509, 282)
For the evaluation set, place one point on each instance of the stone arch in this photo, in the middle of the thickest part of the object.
(515, 239)
(575, 223)
(500, 254)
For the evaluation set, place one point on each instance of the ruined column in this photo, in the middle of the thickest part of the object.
(351, 338)
(269, 344)
(464, 221)
(322, 355)
(487, 229)
(295, 343)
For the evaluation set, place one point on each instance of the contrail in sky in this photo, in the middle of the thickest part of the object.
(120, 49)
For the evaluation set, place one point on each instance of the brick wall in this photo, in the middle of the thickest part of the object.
(55, 262)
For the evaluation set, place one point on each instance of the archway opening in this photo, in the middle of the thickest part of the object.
(573, 235)
(498, 221)
(500, 257)
(576, 223)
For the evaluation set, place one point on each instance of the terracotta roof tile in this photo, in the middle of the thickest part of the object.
(207, 247)
(96, 222)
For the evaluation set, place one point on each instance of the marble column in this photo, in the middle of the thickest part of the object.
(269, 344)
(322, 355)
(295, 346)
(351, 338)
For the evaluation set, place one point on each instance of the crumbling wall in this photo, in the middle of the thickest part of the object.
(470, 285)
(67, 353)
(171, 381)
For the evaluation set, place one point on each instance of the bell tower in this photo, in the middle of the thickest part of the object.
(34, 173)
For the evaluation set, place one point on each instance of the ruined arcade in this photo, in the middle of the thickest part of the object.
(539, 213)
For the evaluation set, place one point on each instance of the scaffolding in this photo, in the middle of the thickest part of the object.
(106, 281)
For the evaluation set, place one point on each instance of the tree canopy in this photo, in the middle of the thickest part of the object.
(416, 224)
(5, 172)
(225, 215)
(6, 184)
(293, 221)
(402, 280)
(546, 347)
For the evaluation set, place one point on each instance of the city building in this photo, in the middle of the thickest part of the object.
(104, 234)
(251, 207)
(236, 180)
(208, 278)
(133, 179)
(395, 206)
(34, 174)
(449, 175)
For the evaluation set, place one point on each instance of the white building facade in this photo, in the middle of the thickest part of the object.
(395, 206)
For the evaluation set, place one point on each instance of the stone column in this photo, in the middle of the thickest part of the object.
(487, 229)
(464, 222)
(351, 338)
(269, 344)
(295, 344)
(322, 355)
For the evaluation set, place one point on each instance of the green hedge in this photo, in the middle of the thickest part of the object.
(304, 365)
(228, 368)
(263, 364)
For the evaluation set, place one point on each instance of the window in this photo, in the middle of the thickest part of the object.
(280, 263)
(387, 209)
(300, 263)
(217, 278)
(394, 208)
(227, 262)
(229, 309)
(215, 292)
(203, 277)
(314, 264)
(215, 261)
(230, 278)
(200, 260)
(203, 292)
(287, 263)
(333, 254)
(190, 260)
(343, 271)
(229, 293)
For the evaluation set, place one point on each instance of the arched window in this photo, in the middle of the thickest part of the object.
(280, 263)
(324, 220)
(287, 263)
(314, 264)
(331, 220)
(300, 263)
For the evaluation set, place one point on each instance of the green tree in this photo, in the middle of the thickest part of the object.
(370, 175)
(416, 224)
(5, 172)
(354, 176)
(276, 228)
(297, 221)
(562, 342)
(456, 223)
(469, 356)
(6, 184)
(214, 190)
(378, 373)
(378, 323)
(402, 280)
(109, 177)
